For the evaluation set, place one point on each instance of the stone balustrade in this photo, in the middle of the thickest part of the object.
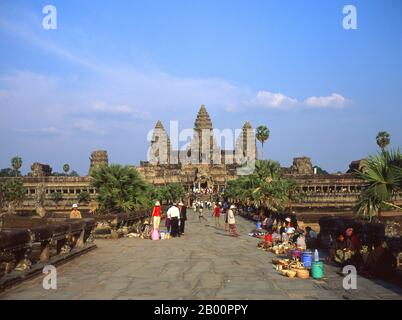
(25, 241)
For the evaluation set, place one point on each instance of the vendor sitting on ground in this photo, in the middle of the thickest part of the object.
(354, 244)
(288, 234)
(276, 237)
(268, 238)
(311, 237)
(267, 223)
(336, 252)
(301, 240)
(380, 262)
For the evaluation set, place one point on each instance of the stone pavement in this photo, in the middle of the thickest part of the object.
(205, 263)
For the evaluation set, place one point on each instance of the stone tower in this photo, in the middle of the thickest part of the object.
(247, 143)
(203, 141)
(160, 150)
(302, 165)
(98, 158)
(40, 170)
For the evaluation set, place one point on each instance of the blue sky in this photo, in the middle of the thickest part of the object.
(110, 70)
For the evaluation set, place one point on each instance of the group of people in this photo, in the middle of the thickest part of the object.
(347, 250)
(176, 217)
(285, 230)
(228, 212)
(203, 191)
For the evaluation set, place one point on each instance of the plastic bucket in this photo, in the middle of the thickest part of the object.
(258, 225)
(317, 269)
(307, 259)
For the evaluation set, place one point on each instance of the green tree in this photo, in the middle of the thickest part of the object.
(56, 197)
(74, 174)
(16, 163)
(262, 134)
(169, 192)
(320, 170)
(12, 193)
(265, 187)
(84, 197)
(383, 178)
(119, 188)
(383, 139)
(66, 168)
(175, 191)
(7, 172)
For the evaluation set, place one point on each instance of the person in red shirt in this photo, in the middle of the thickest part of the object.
(156, 215)
(217, 211)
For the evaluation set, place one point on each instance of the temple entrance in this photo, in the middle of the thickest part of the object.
(204, 185)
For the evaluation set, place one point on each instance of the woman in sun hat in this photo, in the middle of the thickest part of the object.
(156, 215)
(232, 221)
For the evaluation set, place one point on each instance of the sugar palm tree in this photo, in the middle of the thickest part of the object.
(66, 168)
(265, 187)
(119, 188)
(383, 176)
(262, 134)
(383, 139)
(16, 163)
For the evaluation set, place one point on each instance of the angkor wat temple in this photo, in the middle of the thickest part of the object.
(196, 169)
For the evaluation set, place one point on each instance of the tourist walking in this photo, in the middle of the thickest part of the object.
(225, 213)
(75, 214)
(201, 213)
(174, 214)
(156, 215)
(183, 217)
(232, 221)
(217, 212)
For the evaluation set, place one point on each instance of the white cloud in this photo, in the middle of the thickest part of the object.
(48, 131)
(274, 100)
(89, 126)
(280, 101)
(335, 100)
(125, 110)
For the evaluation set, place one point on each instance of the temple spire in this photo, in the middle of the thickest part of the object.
(203, 121)
(159, 125)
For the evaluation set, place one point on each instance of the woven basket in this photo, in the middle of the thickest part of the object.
(303, 274)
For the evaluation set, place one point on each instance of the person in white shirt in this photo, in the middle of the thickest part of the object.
(232, 221)
(174, 215)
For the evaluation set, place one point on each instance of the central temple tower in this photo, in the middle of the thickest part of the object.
(203, 141)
